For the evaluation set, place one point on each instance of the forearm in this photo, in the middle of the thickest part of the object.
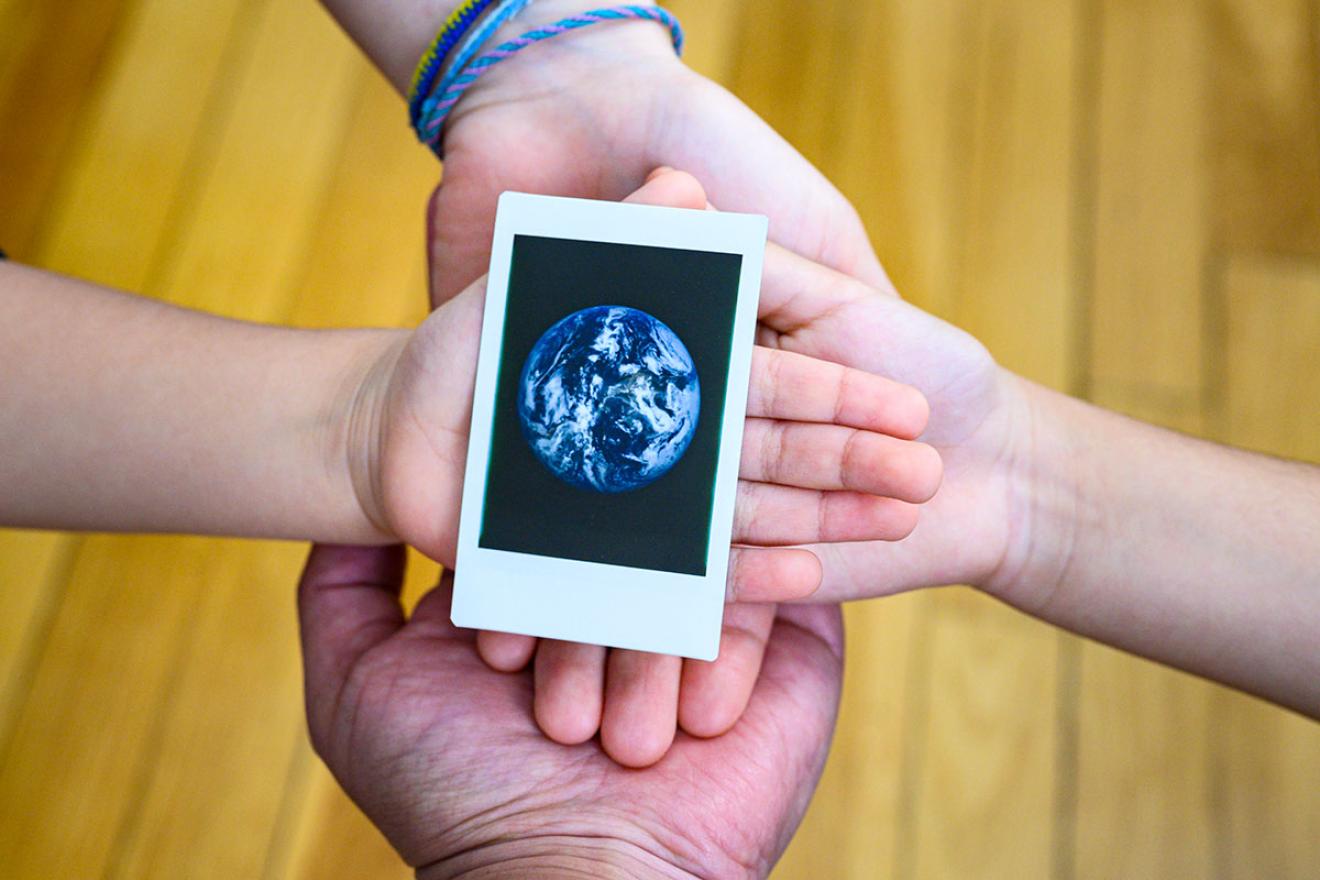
(125, 414)
(395, 33)
(1194, 554)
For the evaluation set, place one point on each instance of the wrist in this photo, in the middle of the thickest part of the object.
(564, 64)
(1045, 467)
(357, 429)
(555, 858)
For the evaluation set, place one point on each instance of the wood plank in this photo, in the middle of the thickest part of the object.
(985, 805)
(52, 62)
(33, 566)
(1151, 211)
(1265, 760)
(711, 29)
(885, 154)
(1266, 126)
(256, 212)
(1144, 790)
(126, 177)
(782, 77)
(906, 113)
(1142, 750)
(83, 732)
(334, 839)
(851, 828)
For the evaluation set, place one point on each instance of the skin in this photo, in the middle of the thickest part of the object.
(137, 415)
(586, 116)
(443, 754)
(591, 115)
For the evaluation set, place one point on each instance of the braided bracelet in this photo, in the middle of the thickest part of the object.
(431, 125)
(433, 58)
(503, 12)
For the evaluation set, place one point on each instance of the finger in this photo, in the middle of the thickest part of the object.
(570, 690)
(787, 385)
(712, 696)
(814, 456)
(641, 706)
(505, 652)
(670, 188)
(767, 514)
(771, 574)
(348, 602)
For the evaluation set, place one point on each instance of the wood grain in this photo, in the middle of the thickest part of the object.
(1121, 198)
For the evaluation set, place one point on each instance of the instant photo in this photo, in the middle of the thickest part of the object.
(579, 498)
(607, 423)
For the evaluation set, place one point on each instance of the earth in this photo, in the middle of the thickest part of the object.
(609, 399)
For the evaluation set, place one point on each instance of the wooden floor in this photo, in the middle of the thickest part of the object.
(1121, 198)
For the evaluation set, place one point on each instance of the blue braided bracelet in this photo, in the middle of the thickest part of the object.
(434, 58)
(431, 124)
(504, 12)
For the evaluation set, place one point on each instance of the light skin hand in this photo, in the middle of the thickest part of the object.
(443, 755)
(821, 462)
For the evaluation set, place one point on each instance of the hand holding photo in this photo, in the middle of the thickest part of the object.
(611, 409)
(607, 423)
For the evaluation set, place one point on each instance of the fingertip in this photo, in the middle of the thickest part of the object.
(641, 707)
(569, 690)
(670, 188)
(919, 412)
(800, 575)
(778, 574)
(636, 746)
(713, 695)
(505, 652)
(927, 472)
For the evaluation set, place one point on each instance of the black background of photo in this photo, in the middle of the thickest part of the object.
(665, 525)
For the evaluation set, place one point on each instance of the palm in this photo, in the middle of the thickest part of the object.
(444, 755)
(963, 534)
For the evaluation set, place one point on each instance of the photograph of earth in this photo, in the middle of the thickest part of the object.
(613, 373)
(609, 398)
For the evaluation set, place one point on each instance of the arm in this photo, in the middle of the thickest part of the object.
(1193, 554)
(122, 413)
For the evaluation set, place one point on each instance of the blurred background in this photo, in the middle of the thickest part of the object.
(1121, 198)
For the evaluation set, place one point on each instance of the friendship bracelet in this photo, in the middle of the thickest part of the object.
(433, 58)
(504, 11)
(431, 124)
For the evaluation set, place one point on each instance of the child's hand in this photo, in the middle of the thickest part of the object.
(807, 476)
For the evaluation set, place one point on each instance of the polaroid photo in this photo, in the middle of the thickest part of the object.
(607, 423)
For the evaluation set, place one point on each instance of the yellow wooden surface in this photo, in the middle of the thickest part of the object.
(1121, 198)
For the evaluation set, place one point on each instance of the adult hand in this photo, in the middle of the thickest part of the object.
(443, 755)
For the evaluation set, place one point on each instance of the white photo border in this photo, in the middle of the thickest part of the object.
(612, 605)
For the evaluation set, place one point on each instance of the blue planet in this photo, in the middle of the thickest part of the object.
(609, 399)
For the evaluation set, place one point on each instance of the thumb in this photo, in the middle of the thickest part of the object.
(348, 602)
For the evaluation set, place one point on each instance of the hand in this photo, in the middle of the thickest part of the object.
(828, 451)
(443, 755)
(590, 114)
(977, 529)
